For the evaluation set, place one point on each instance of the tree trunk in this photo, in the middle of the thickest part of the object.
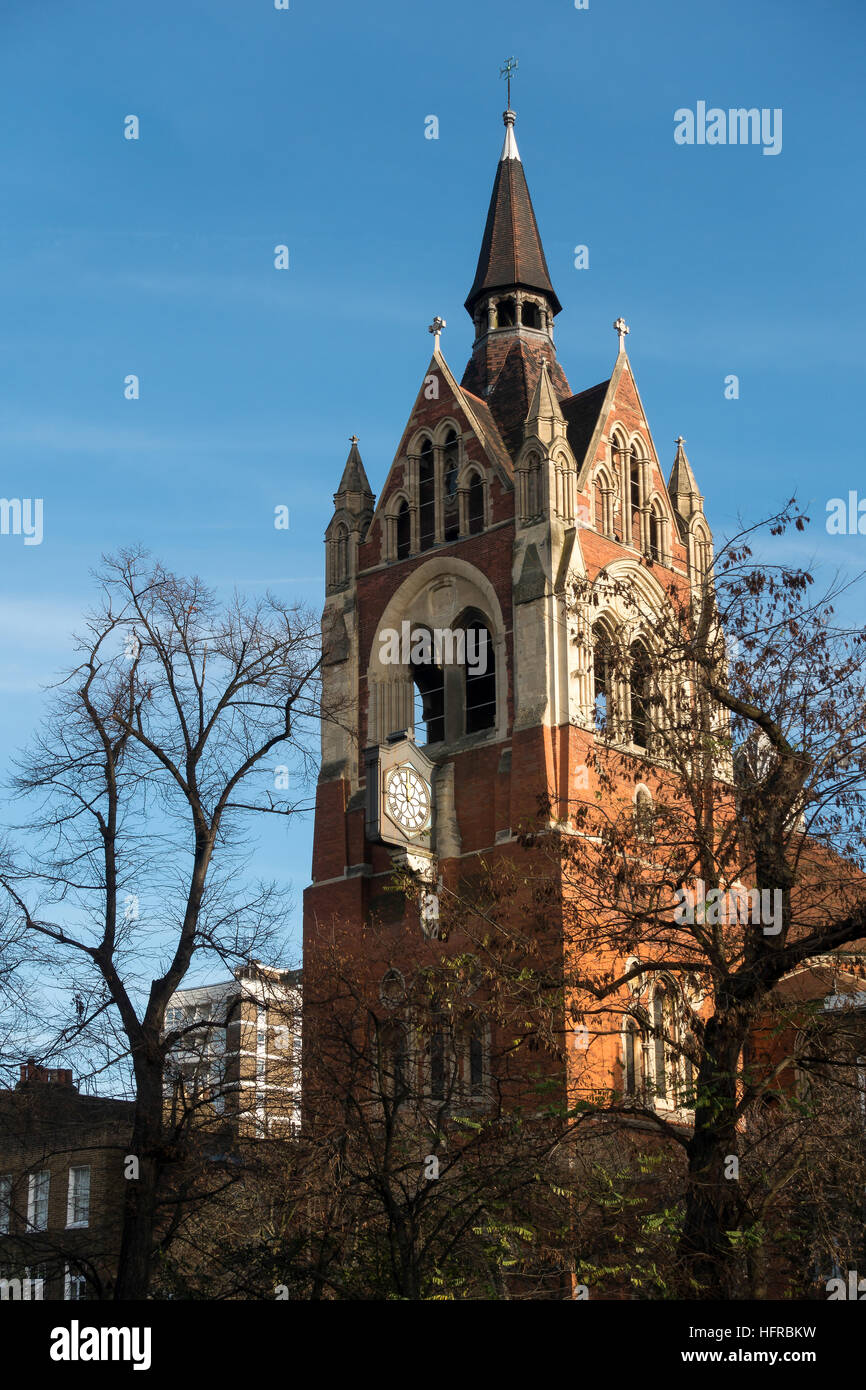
(712, 1200)
(139, 1212)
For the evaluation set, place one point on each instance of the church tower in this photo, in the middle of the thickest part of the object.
(506, 491)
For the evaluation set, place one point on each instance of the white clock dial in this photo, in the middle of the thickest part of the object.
(407, 798)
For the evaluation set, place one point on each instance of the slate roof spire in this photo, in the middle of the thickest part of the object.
(682, 485)
(354, 479)
(511, 256)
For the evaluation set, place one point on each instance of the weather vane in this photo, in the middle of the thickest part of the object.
(506, 71)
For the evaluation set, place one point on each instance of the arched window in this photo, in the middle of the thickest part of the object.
(632, 1079)
(451, 509)
(426, 496)
(644, 814)
(341, 554)
(602, 678)
(639, 676)
(404, 531)
(673, 1069)
(476, 504)
(635, 496)
(701, 551)
(655, 534)
(662, 1022)
(533, 486)
(530, 315)
(429, 690)
(440, 1054)
(392, 990)
(506, 313)
(617, 454)
(603, 497)
(480, 669)
(599, 499)
(394, 1061)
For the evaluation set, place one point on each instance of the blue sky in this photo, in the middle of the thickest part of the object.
(306, 127)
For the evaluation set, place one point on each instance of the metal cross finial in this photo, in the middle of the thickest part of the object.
(679, 440)
(509, 67)
(622, 328)
(353, 439)
(436, 328)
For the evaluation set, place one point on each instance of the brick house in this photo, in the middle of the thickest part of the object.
(61, 1187)
(237, 1059)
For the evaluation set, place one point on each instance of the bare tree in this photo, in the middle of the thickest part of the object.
(158, 745)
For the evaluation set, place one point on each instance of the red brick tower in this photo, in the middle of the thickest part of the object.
(505, 487)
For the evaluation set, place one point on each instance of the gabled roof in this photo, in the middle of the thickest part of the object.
(511, 253)
(582, 414)
(487, 432)
(478, 416)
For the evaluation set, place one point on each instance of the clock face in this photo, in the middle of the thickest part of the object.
(407, 798)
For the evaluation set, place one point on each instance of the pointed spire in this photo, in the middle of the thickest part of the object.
(511, 255)
(545, 418)
(354, 479)
(682, 487)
